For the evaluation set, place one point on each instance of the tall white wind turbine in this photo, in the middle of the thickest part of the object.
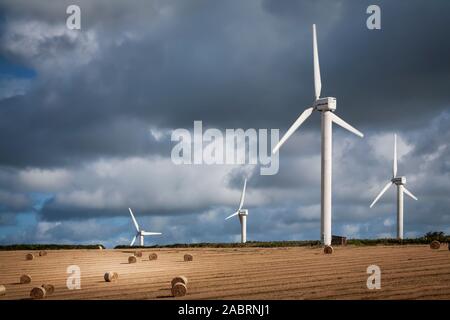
(139, 232)
(326, 106)
(400, 181)
(243, 213)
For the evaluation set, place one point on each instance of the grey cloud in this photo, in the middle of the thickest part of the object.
(223, 64)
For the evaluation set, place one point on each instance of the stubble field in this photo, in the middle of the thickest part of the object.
(407, 272)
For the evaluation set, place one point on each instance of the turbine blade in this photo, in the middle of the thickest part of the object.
(134, 220)
(409, 193)
(394, 168)
(305, 114)
(230, 216)
(381, 193)
(345, 125)
(317, 80)
(145, 233)
(241, 203)
(133, 241)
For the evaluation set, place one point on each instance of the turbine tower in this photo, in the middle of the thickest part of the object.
(139, 232)
(243, 213)
(400, 182)
(326, 106)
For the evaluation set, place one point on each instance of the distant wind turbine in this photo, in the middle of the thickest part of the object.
(243, 213)
(400, 182)
(139, 232)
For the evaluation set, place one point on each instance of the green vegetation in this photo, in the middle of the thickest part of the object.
(374, 242)
(426, 239)
(49, 247)
(249, 244)
(437, 235)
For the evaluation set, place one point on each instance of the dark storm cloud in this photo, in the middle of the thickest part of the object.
(221, 63)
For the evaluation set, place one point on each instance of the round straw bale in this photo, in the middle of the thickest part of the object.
(328, 250)
(179, 279)
(29, 256)
(42, 253)
(435, 244)
(188, 257)
(153, 256)
(100, 247)
(132, 259)
(2, 290)
(179, 289)
(138, 254)
(37, 293)
(49, 288)
(111, 276)
(25, 278)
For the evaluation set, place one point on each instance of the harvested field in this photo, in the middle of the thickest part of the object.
(407, 272)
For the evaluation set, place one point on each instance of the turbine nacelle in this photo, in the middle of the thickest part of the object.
(243, 212)
(399, 180)
(325, 104)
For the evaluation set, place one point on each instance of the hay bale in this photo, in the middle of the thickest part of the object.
(42, 253)
(49, 288)
(132, 259)
(328, 250)
(179, 279)
(188, 257)
(100, 247)
(25, 278)
(435, 244)
(111, 276)
(153, 256)
(38, 293)
(138, 254)
(29, 256)
(2, 290)
(179, 289)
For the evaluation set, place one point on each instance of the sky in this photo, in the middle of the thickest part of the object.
(86, 117)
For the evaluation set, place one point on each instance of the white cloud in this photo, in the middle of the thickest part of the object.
(43, 227)
(145, 183)
(351, 230)
(44, 180)
(49, 46)
(384, 235)
(383, 146)
(389, 222)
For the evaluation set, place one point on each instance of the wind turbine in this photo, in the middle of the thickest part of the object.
(326, 106)
(140, 233)
(400, 182)
(243, 213)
